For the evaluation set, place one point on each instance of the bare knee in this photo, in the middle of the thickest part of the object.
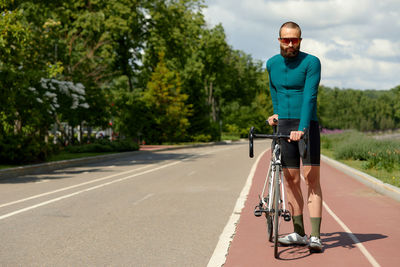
(312, 176)
(292, 176)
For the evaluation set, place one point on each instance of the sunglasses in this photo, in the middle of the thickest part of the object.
(287, 41)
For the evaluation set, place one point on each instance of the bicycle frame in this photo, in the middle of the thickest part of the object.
(274, 166)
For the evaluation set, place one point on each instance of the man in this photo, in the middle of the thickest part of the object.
(294, 78)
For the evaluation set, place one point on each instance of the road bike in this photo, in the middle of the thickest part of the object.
(272, 198)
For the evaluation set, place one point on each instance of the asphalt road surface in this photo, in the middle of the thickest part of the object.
(185, 207)
(165, 208)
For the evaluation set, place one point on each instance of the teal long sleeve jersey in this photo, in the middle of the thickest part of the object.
(294, 87)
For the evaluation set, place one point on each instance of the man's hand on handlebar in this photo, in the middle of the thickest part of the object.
(273, 120)
(296, 135)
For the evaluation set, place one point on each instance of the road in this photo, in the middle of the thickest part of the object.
(359, 227)
(182, 208)
(163, 208)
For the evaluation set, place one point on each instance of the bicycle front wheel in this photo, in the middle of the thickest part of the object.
(269, 216)
(277, 208)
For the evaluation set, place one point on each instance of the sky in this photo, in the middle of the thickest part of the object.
(357, 41)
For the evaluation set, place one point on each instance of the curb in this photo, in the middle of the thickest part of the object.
(16, 172)
(51, 166)
(368, 180)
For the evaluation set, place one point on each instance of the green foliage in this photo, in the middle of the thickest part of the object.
(378, 154)
(21, 148)
(238, 119)
(202, 138)
(362, 110)
(104, 145)
(165, 100)
(152, 68)
(130, 113)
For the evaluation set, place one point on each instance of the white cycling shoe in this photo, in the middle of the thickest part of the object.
(315, 244)
(293, 239)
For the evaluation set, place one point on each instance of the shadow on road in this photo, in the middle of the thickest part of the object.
(343, 239)
(330, 241)
(143, 158)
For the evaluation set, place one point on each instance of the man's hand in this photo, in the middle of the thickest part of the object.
(296, 135)
(271, 120)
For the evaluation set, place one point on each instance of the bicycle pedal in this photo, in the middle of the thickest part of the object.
(257, 213)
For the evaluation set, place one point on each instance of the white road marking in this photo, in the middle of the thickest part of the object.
(357, 242)
(85, 190)
(69, 187)
(218, 258)
(42, 181)
(143, 199)
(89, 189)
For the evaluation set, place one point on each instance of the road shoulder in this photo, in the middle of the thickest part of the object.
(368, 180)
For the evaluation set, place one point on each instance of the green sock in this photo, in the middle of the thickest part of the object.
(315, 226)
(298, 224)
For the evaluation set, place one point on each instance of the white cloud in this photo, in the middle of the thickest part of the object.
(354, 68)
(384, 48)
(358, 41)
(309, 12)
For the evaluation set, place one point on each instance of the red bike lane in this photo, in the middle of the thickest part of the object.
(359, 227)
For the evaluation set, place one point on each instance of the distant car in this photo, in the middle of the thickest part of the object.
(100, 135)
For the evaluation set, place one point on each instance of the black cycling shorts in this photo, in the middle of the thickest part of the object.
(290, 151)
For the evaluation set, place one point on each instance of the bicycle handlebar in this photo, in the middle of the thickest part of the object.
(275, 136)
(272, 136)
(253, 135)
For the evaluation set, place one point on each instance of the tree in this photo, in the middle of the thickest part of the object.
(176, 28)
(164, 98)
(214, 53)
(132, 117)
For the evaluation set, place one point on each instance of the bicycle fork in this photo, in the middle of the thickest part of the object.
(265, 205)
(284, 212)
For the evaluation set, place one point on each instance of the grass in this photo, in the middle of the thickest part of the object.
(8, 166)
(392, 177)
(230, 136)
(378, 158)
(100, 147)
(64, 155)
(68, 155)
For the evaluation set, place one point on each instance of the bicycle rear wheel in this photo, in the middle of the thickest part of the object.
(277, 208)
(269, 216)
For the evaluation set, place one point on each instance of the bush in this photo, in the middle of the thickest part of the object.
(104, 145)
(379, 154)
(20, 149)
(202, 138)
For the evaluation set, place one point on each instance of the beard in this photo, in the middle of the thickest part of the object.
(290, 52)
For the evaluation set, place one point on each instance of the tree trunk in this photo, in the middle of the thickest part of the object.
(80, 133)
(62, 129)
(211, 100)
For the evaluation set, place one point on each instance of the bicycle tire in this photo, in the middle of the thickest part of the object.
(269, 214)
(277, 197)
(270, 226)
(269, 219)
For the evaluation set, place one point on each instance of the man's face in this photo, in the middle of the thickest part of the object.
(290, 42)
